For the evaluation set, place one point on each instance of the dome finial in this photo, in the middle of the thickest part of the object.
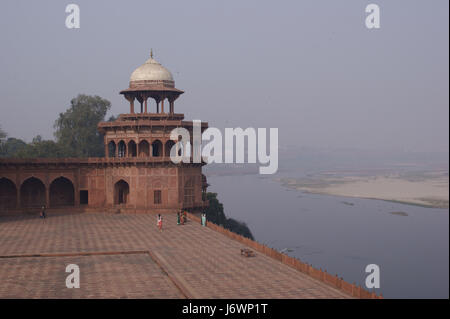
(151, 53)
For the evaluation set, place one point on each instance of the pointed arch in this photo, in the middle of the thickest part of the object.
(132, 149)
(144, 149)
(32, 193)
(157, 148)
(121, 192)
(62, 192)
(8, 193)
(122, 149)
(168, 147)
(112, 149)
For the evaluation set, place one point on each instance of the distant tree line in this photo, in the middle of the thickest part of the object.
(75, 133)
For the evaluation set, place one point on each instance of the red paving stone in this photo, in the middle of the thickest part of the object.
(183, 261)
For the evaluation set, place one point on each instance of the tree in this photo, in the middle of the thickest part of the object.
(76, 129)
(2, 135)
(215, 214)
(12, 147)
(2, 139)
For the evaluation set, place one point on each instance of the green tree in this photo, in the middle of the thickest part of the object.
(12, 147)
(215, 214)
(41, 149)
(76, 129)
(2, 140)
(2, 135)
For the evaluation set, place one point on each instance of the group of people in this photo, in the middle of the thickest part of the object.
(181, 219)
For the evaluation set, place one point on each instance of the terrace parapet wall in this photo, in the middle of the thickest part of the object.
(333, 280)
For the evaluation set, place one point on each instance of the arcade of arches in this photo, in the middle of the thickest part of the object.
(154, 187)
(142, 149)
(33, 193)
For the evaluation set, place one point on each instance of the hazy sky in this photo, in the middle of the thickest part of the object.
(310, 68)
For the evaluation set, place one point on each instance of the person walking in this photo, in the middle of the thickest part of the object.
(42, 214)
(159, 222)
(203, 219)
(178, 218)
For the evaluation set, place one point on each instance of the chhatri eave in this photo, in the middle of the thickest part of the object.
(136, 174)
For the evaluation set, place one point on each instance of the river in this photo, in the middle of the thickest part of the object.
(344, 235)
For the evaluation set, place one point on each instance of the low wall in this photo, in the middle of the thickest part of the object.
(319, 274)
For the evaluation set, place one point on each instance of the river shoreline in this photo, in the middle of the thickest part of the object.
(428, 190)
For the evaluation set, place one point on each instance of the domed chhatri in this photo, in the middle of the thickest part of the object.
(152, 80)
(151, 72)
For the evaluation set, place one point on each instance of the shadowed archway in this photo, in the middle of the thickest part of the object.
(144, 149)
(157, 148)
(132, 149)
(62, 192)
(32, 193)
(168, 147)
(112, 149)
(121, 192)
(8, 193)
(122, 149)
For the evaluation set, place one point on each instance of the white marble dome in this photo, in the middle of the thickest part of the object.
(151, 71)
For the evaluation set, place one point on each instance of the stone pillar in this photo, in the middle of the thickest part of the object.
(157, 106)
(131, 100)
(18, 197)
(163, 149)
(76, 196)
(47, 196)
(162, 105)
(140, 99)
(146, 104)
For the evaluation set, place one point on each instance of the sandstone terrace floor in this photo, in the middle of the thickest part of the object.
(125, 256)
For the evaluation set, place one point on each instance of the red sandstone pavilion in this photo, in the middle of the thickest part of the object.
(136, 174)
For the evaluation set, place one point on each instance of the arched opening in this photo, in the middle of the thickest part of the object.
(151, 105)
(168, 147)
(157, 148)
(132, 150)
(122, 149)
(8, 194)
(121, 192)
(111, 149)
(32, 193)
(189, 192)
(62, 192)
(144, 149)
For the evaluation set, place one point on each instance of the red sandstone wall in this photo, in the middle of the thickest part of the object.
(319, 274)
(99, 181)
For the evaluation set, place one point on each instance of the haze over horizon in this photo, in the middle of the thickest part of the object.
(310, 68)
